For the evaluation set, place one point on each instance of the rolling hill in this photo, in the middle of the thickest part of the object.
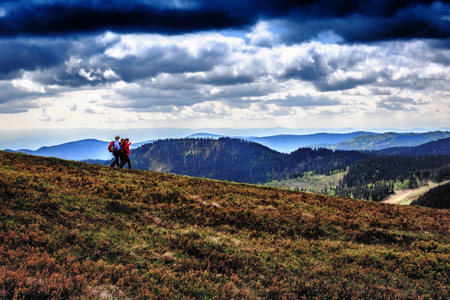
(71, 230)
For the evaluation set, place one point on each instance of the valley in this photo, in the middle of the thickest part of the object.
(406, 196)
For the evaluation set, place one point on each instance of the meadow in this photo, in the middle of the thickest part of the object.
(79, 231)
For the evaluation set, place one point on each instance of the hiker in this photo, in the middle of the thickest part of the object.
(116, 152)
(126, 153)
(122, 152)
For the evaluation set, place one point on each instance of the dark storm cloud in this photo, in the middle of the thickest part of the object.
(126, 16)
(21, 55)
(366, 21)
(354, 20)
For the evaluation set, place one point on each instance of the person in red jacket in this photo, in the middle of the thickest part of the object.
(122, 152)
(126, 153)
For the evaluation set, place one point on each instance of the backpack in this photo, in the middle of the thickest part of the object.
(111, 147)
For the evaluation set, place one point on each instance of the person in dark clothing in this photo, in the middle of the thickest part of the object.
(126, 153)
(116, 152)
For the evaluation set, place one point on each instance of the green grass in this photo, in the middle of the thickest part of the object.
(72, 230)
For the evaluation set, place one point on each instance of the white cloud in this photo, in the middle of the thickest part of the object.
(91, 75)
(27, 84)
(261, 35)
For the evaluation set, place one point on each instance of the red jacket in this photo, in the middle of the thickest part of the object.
(126, 148)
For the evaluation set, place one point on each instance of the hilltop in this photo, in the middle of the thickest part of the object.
(74, 230)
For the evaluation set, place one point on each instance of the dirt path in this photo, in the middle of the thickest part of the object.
(405, 197)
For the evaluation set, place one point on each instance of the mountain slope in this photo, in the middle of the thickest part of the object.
(438, 197)
(390, 139)
(224, 159)
(70, 230)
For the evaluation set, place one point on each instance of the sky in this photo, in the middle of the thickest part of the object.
(72, 69)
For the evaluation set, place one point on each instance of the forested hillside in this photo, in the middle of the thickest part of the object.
(236, 159)
(321, 160)
(377, 177)
(441, 146)
(224, 159)
(438, 197)
(71, 230)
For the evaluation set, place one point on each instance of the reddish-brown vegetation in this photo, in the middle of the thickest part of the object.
(73, 230)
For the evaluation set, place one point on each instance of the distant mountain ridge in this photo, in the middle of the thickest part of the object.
(77, 150)
(289, 143)
(95, 149)
(389, 140)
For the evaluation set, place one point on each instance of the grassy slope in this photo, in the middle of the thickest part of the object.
(71, 230)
